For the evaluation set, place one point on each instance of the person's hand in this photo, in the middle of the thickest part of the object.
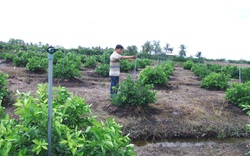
(133, 56)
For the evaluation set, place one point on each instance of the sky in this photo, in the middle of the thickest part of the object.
(217, 28)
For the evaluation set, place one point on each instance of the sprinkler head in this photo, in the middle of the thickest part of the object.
(51, 50)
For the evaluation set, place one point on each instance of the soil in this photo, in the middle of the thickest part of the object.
(182, 110)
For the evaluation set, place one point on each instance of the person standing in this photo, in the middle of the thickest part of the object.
(114, 71)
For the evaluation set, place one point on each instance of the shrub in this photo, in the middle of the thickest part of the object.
(105, 58)
(103, 70)
(126, 66)
(239, 94)
(168, 68)
(134, 94)
(37, 64)
(214, 68)
(75, 130)
(200, 70)
(245, 74)
(232, 70)
(91, 62)
(67, 68)
(188, 65)
(215, 81)
(57, 56)
(83, 58)
(9, 57)
(3, 85)
(155, 76)
(142, 63)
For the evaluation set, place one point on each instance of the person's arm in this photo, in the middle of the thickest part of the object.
(128, 57)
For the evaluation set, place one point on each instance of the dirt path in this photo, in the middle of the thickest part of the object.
(182, 110)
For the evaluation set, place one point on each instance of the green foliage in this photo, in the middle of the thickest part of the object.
(232, 70)
(142, 63)
(188, 65)
(67, 67)
(83, 58)
(57, 56)
(239, 94)
(156, 76)
(105, 58)
(3, 85)
(168, 68)
(215, 81)
(9, 57)
(75, 130)
(214, 68)
(91, 62)
(103, 70)
(37, 64)
(126, 66)
(134, 94)
(200, 70)
(245, 74)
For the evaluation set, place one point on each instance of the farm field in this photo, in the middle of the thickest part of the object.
(183, 110)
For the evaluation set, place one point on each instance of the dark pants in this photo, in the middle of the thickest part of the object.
(114, 84)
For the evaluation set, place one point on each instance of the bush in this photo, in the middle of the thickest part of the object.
(103, 70)
(126, 66)
(200, 70)
(188, 65)
(214, 68)
(75, 130)
(105, 58)
(67, 68)
(37, 64)
(239, 94)
(134, 94)
(83, 58)
(142, 63)
(245, 74)
(57, 56)
(232, 70)
(3, 85)
(215, 81)
(9, 57)
(156, 76)
(91, 62)
(168, 68)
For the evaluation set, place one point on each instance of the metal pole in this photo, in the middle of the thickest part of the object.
(239, 75)
(50, 77)
(135, 70)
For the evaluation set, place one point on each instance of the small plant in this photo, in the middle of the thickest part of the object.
(126, 66)
(188, 65)
(134, 94)
(103, 70)
(215, 81)
(37, 64)
(142, 63)
(200, 70)
(91, 62)
(155, 76)
(67, 68)
(232, 70)
(239, 94)
(168, 68)
(75, 130)
(3, 85)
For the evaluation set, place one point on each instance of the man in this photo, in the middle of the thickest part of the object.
(114, 71)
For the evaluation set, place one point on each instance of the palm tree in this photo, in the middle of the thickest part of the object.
(171, 50)
(182, 51)
(198, 55)
(166, 47)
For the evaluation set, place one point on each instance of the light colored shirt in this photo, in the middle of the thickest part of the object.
(115, 64)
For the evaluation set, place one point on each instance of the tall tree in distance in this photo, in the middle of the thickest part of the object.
(166, 47)
(198, 54)
(132, 50)
(157, 46)
(147, 47)
(182, 52)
